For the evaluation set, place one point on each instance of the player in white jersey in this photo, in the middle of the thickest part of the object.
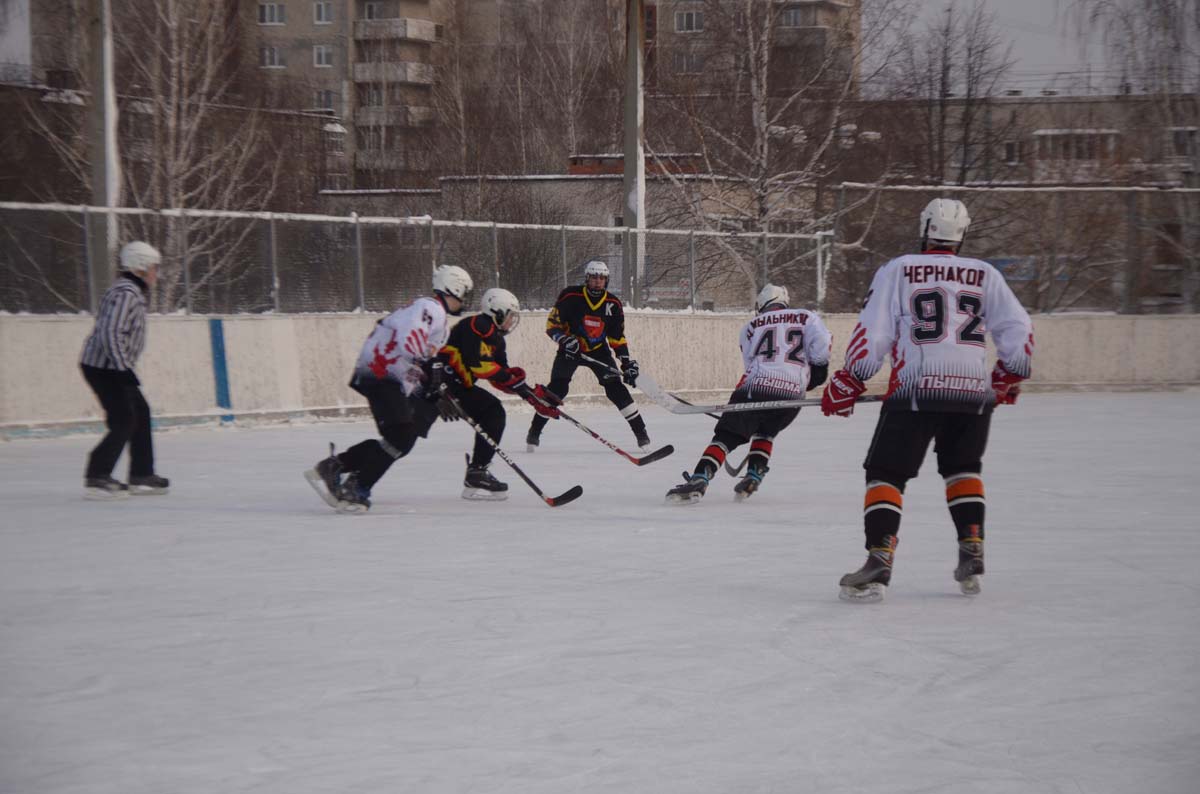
(930, 312)
(391, 374)
(785, 352)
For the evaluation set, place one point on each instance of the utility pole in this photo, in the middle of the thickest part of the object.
(633, 270)
(102, 136)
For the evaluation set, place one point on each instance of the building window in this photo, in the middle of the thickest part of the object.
(1183, 141)
(798, 17)
(370, 95)
(373, 11)
(689, 21)
(270, 58)
(1080, 145)
(324, 99)
(687, 62)
(439, 32)
(323, 12)
(1012, 152)
(271, 14)
(322, 55)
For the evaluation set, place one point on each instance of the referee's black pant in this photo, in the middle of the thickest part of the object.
(127, 416)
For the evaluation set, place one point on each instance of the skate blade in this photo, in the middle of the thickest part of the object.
(683, 500)
(147, 490)
(101, 495)
(482, 495)
(318, 485)
(871, 594)
(350, 507)
(531, 447)
(970, 586)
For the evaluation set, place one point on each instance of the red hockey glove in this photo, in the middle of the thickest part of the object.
(1006, 385)
(509, 381)
(840, 393)
(544, 402)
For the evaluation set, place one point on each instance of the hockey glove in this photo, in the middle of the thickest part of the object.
(1006, 385)
(544, 402)
(629, 371)
(510, 381)
(569, 345)
(448, 409)
(840, 393)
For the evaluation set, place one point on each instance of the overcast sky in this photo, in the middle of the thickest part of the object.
(1044, 47)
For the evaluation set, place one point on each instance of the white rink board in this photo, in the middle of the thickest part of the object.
(237, 636)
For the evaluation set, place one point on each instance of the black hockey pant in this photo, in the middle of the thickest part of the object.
(402, 419)
(560, 384)
(127, 416)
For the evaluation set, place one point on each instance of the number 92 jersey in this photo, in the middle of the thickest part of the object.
(932, 312)
(777, 349)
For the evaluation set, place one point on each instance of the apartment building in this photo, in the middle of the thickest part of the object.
(367, 62)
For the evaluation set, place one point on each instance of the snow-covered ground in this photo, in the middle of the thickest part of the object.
(238, 636)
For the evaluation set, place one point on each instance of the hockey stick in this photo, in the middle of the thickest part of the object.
(766, 405)
(570, 495)
(734, 471)
(657, 454)
(647, 385)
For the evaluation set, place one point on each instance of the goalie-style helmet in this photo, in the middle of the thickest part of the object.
(771, 296)
(138, 257)
(453, 281)
(945, 220)
(503, 307)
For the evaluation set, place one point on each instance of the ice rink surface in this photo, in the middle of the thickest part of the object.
(238, 636)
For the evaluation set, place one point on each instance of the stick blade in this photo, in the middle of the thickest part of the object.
(569, 495)
(657, 454)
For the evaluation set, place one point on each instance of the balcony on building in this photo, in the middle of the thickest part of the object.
(394, 72)
(399, 28)
(374, 160)
(397, 116)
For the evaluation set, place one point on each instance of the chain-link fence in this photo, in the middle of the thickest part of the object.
(1062, 249)
(237, 262)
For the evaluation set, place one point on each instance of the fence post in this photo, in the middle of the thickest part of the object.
(271, 242)
(821, 262)
(496, 251)
(563, 229)
(692, 269)
(765, 264)
(187, 269)
(359, 290)
(432, 246)
(93, 298)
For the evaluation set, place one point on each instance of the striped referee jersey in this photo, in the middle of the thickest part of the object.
(120, 332)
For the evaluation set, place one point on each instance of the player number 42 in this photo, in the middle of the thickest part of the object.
(766, 348)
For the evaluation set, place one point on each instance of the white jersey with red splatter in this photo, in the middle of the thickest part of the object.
(777, 348)
(401, 342)
(931, 312)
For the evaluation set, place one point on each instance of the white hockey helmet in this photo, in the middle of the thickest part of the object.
(945, 220)
(452, 280)
(595, 267)
(138, 257)
(503, 307)
(771, 295)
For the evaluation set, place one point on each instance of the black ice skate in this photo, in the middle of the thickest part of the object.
(867, 584)
(690, 492)
(749, 484)
(532, 439)
(103, 489)
(326, 479)
(352, 497)
(479, 484)
(643, 438)
(970, 565)
(149, 485)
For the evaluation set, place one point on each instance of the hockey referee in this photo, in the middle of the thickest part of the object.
(108, 358)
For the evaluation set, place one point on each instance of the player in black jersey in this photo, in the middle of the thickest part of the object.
(589, 320)
(475, 351)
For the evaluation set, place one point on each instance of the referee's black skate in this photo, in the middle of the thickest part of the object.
(104, 489)
(867, 584)
(149, 485)
(479, 484)
(970, 565)
(690, 491)
(750, 483)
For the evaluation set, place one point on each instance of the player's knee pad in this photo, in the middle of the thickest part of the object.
(728, 439)
(618, 395)
(397, 440)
